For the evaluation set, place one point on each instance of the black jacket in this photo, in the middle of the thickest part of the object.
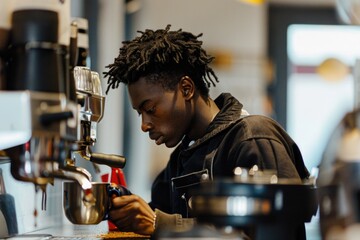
(232, 140)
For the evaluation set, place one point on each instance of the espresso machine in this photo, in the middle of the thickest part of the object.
(50, 107)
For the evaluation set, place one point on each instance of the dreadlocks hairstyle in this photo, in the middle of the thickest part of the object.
(163, 56)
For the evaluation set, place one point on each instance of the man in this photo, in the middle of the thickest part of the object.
(168, 76)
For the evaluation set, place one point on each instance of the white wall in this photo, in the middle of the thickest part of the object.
(110, 35)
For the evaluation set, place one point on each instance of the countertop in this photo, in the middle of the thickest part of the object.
(78, 232)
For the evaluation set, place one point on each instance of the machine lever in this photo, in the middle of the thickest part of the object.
(111, 160)
(47, 118)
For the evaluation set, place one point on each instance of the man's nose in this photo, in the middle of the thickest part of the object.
(146, 125)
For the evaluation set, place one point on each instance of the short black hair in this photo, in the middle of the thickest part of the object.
(162, 55)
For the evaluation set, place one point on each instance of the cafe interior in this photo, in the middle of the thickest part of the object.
(63, 140)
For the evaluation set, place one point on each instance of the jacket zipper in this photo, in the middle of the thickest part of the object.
(186, 205)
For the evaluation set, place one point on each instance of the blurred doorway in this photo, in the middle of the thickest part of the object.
(312, 88)
(320, 86)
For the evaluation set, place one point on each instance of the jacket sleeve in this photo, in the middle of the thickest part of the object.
(172, 221)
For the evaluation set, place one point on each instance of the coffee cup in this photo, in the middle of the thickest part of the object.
(89, 206)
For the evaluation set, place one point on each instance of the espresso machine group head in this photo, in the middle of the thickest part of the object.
(91, 103)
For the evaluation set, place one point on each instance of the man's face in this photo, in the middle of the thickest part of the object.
(165, 114)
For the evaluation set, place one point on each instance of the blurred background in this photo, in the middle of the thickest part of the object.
(291, 60)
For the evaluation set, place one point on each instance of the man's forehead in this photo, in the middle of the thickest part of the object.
(142, 91)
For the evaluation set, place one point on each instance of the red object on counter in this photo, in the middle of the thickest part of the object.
(117, 177)
(105, 177)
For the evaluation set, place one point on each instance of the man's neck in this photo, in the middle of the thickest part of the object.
(205, 112)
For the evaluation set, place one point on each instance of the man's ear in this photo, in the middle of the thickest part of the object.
(187, 87)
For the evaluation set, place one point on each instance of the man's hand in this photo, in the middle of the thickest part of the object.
(130, 213)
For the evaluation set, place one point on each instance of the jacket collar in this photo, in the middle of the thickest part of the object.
(230, 112)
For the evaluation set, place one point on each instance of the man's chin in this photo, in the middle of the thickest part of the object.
(171, 144)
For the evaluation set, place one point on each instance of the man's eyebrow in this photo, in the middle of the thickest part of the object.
(141, 105)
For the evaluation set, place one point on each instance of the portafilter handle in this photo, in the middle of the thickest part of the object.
(111, 160)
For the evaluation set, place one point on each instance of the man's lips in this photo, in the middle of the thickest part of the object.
(159, 140)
